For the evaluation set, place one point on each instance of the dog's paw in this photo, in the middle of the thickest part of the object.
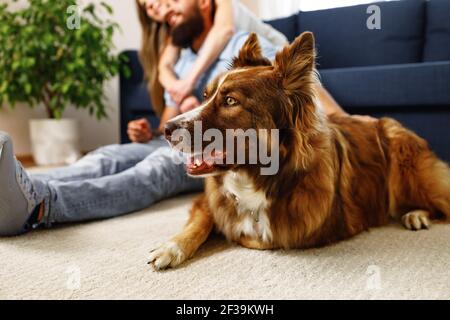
(416, 220)
(168, 255)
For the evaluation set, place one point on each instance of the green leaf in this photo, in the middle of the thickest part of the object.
(107, 7)
(28, 88)
(16, 65)
(3, 86)
(126, 72)
(57, 113)
(65, 87)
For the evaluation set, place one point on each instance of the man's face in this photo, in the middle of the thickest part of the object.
(180, 10)
(186, 22)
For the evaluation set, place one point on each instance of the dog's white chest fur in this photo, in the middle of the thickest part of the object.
(251, 206)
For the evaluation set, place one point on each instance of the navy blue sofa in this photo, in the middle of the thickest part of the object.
(401, 70)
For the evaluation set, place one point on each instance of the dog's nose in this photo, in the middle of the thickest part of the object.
(169, 128)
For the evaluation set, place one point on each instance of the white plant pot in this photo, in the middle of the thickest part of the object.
(55, 142)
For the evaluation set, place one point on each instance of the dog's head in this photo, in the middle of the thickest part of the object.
(255, 94)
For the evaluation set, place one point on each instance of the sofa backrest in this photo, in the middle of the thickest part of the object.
(437, 38)
(288, 26)
(344, 40)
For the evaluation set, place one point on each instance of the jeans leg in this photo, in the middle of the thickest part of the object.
(104, 161)
(159, 176)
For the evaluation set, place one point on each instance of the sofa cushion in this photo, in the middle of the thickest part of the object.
(412, 85)
(344, 40)
(437, 42)
(288, 26)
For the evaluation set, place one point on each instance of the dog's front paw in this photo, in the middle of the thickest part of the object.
(168, 255)
(416, 220)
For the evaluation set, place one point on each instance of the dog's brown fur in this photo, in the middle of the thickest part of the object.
(338, 176)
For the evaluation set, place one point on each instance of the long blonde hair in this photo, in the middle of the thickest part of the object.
(154, 39)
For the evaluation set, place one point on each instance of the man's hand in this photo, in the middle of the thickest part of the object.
(140, 131)
(188, 104)
(180, 90)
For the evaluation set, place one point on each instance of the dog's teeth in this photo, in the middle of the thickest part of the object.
(197, 162)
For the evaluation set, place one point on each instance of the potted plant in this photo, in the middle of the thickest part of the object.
(57, 55)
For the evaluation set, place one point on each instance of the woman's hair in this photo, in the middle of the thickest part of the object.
(154, 37)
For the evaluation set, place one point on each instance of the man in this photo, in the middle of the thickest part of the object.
(116, 179)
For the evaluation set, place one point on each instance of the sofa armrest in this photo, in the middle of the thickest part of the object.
(134, 98)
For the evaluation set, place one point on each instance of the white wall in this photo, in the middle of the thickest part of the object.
(94, 133)
(270, 9)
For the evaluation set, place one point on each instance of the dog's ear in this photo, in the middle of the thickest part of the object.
(296, 65)
(250, 54)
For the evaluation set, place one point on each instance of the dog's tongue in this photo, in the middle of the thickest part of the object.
(199, 165)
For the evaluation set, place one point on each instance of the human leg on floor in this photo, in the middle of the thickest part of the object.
(21, 197)
(104, 161)
(159, 176)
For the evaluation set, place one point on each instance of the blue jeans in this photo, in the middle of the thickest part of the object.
(112, 181)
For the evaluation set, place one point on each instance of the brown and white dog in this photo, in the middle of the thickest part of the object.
(338, 176)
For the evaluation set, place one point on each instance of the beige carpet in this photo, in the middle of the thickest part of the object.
(107, 259)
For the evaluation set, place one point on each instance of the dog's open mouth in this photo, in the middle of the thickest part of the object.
(201, 164)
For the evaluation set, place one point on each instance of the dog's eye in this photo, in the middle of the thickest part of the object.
(230, 101)
(205, 95)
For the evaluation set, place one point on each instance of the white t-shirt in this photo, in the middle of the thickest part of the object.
(245, 20)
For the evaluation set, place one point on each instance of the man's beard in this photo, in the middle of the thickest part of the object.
(185, 33)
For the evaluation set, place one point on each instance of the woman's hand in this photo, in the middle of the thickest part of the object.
(180, 89)
(188, 104)
(140, 131)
